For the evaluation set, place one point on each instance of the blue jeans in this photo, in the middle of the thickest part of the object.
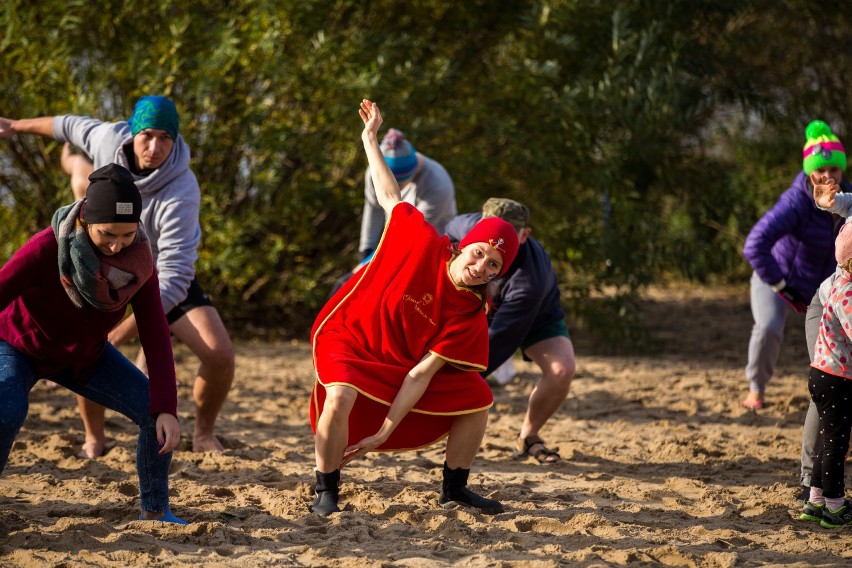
(115, 383)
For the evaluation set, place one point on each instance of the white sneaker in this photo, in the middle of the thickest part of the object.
(505, 372)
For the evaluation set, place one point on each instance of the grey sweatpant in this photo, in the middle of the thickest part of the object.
(810, 431)
(769, 312)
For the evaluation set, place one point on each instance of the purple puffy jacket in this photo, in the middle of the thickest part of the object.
(794, 240)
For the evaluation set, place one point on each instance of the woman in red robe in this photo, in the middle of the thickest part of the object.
(398, 349)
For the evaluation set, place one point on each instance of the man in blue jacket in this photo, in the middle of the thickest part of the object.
(527, 314)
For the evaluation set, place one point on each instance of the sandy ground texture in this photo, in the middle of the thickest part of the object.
(663, 468)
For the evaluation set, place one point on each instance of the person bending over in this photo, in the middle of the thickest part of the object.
(398, 348)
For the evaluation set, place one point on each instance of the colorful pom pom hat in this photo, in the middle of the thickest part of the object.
(822, 148)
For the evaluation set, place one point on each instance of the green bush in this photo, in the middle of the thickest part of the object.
(646, 137)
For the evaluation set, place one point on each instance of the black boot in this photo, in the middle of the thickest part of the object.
(327, 491)
(454, 493)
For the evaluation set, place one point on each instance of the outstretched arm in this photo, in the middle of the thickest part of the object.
(42, 125)
(387, 190)
(827, 197)
(413, 387)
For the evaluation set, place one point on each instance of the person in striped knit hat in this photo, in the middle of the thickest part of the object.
(791, 250)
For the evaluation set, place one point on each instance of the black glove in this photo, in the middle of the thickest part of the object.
(793, 299)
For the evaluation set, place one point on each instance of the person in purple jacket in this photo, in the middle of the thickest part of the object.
(60, 295)
(791, 250)
(528, 315)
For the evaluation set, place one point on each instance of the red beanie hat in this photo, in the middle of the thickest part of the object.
(498, 233)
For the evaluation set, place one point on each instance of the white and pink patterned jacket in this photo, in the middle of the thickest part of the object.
(833, 352)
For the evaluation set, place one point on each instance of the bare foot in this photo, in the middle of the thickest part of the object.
(753, 401)
(92, 449)
(206, 443)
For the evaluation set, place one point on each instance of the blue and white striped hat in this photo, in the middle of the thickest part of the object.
(399, 155)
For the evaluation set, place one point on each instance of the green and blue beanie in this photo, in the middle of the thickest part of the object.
(156, 112)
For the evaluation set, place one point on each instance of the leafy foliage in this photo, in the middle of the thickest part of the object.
(646, 137)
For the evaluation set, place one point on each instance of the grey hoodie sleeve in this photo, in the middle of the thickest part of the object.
(173, 215)
(101, 141)
(171, 199)
(435, 194)
(842, 205)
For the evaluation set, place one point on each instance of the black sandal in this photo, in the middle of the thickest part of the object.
(542, 455)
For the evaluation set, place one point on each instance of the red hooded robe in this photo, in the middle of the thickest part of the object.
(385, 319)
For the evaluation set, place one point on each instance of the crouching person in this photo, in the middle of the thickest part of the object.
(60, 295)
(399, 347)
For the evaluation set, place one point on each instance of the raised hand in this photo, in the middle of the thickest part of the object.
(371, 116)
(825, 189)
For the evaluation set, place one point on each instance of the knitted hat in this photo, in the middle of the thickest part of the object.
(500, 234)
(156, 112)
(822, 148)
(399, 154)
(509, 210)
(112, 197)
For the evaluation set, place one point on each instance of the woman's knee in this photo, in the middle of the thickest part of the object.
(472, 423)
(138, 414)
(339, 401)
(771, 323)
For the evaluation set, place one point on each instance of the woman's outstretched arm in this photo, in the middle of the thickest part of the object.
(387, 189)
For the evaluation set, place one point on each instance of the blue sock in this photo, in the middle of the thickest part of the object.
(167, 518)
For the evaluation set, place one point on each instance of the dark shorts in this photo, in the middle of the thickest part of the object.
(556, 329)
(196, 297)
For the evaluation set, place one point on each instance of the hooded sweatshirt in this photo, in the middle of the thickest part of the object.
(171, 198)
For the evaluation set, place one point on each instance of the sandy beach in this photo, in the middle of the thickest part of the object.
(662, 467)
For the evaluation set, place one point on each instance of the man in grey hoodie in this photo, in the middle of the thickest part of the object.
(149, 145)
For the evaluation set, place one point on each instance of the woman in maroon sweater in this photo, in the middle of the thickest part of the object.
(60, 295)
